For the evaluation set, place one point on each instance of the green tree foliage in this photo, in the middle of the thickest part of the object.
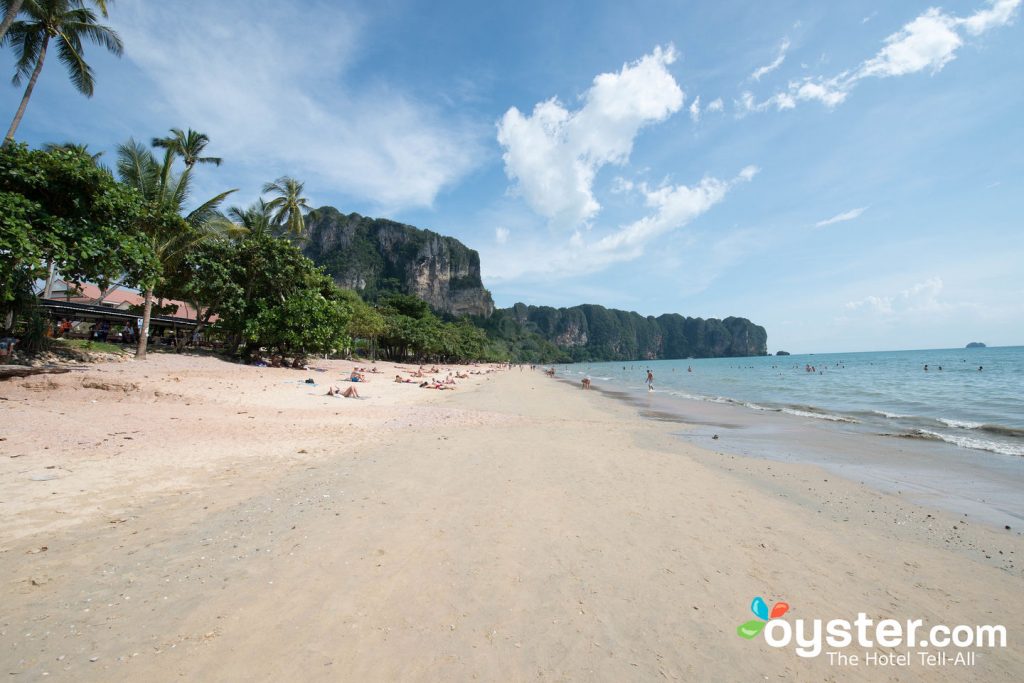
(413, 332)
(58, 206)
(366, 322)
(204, 277)
(266, 295)
(309, 320)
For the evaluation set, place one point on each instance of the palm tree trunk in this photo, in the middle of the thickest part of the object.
(147, 310)
(12, 12)
(50, 272)
(107, 292)
(28, 92)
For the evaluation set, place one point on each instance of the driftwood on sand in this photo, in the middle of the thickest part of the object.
(11, 371)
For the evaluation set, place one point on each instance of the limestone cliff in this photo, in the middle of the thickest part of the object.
(373, 255)
(594, 333)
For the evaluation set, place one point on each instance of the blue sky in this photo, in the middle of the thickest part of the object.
(851, 176)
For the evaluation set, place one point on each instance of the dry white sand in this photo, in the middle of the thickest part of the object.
(214, 522)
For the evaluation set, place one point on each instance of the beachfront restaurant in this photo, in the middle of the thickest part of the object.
(84, 311)
(106, 323)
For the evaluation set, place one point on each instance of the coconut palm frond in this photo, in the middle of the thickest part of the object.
(208, 209)
(137, 167)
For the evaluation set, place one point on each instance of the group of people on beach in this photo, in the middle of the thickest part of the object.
(586, 382)
(429, 381)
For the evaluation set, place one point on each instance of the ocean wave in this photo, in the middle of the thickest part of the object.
(970, 442)
(960, 424)
(1000, 430)
(818, 414)
(755, 406)
(891, 416)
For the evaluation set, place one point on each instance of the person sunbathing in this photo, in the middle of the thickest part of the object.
(399, 380)
(357, 376)
(434, 384)
(350, 392)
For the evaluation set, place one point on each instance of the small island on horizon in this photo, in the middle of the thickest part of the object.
(975, 345)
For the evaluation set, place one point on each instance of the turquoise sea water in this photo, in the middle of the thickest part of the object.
(885, 392)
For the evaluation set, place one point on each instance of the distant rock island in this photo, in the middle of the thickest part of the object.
(782, 353)
(976, 345)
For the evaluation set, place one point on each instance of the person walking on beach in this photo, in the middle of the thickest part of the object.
(650, 380)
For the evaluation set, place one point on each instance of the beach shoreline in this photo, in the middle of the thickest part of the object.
(516, 528)
(986, 486)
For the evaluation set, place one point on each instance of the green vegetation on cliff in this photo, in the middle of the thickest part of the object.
(374, 256)
(596, 333)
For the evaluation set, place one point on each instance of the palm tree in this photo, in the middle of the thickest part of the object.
(67, 22)
(166, 192)
(188, 145)
(254, 220)
(11, 8)
(289, 206)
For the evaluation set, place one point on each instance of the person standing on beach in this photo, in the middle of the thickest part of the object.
(650, 380)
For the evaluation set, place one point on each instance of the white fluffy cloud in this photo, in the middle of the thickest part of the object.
(672, 207)
(554, 154)
(278, 98)
(842, 217)
(695, 110)
(926, 43)
(501, 235)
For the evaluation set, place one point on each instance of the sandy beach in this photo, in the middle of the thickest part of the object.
(192, 519)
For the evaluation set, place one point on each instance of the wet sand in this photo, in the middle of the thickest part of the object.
(987, 487)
